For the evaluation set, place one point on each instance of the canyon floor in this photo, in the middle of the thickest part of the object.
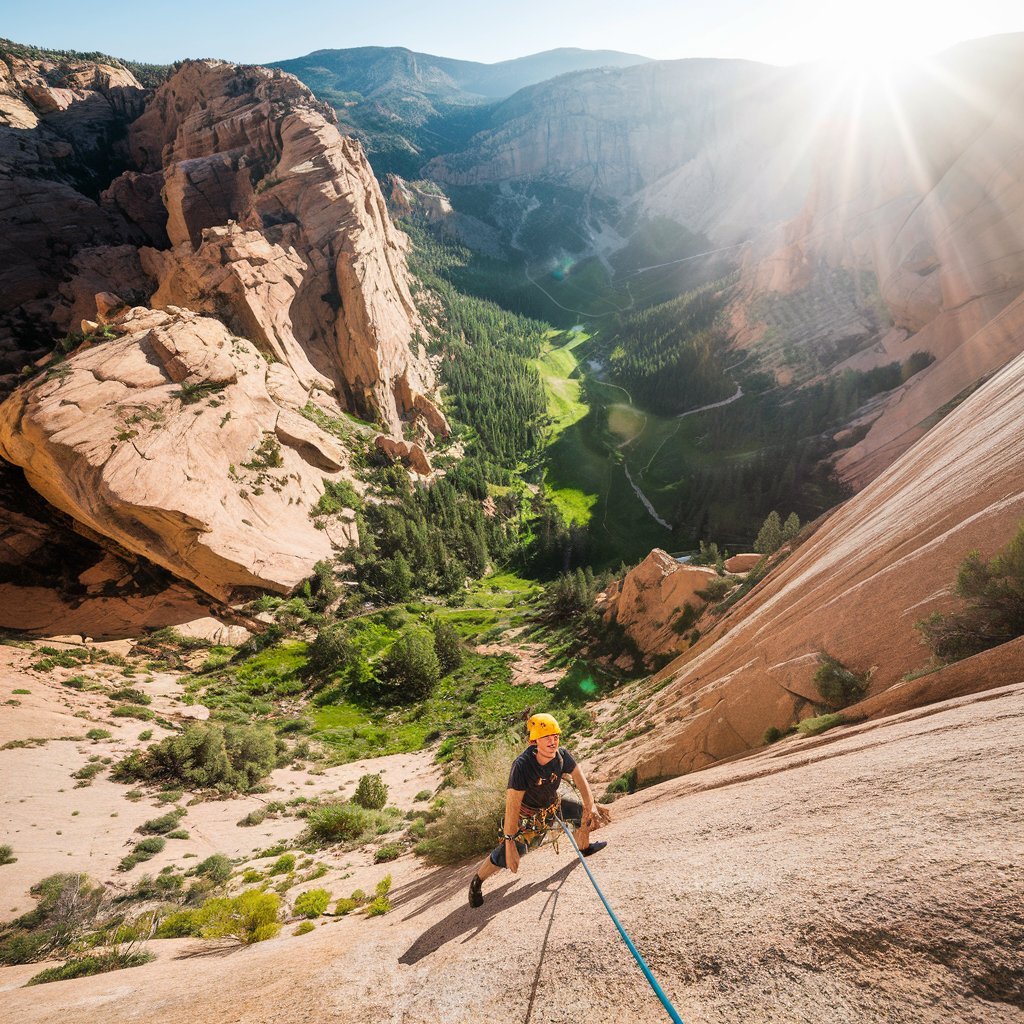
(875, 873)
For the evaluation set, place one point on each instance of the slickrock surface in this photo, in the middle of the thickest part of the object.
(874, 874)
(649, 601)
(884, 560)
(175, 441)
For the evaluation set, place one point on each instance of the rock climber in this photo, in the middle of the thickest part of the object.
(532, 804)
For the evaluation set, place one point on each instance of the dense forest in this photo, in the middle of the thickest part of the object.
(673, 356)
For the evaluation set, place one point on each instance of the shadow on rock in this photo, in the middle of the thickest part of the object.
(471, 921)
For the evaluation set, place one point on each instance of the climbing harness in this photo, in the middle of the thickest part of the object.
(622, 931)
(540, 823)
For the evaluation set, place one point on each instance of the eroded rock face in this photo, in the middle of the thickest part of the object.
(168, 442)
(61, 140)
(277, 223)
(883, 561)
(650, 600)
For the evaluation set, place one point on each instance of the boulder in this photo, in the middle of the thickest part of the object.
(167, 442)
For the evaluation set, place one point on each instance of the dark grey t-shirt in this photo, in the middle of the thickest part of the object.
(539, 782)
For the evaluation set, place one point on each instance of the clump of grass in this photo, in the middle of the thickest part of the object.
(144, 850)
(216, 867)
(162, 825)
(305, 928)
(423, 794)
(132, 711)
(255, 817)
(346, 823)
(814, 726)
(93, 963)
(471, 813)
(98, 734)
(387, 852)
(283, 865)
(7, 854)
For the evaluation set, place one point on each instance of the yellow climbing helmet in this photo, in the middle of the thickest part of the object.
(542, 725)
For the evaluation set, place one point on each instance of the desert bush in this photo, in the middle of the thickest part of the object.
(98, 734)
(132, 711)
(338, 823)
(717, 588)
(7, 854)
(283, 864)
(205, 755)
(994, 613)
(387, 852)
(312, 903)
(255, 817)
(838, 685)
(305, 928)
(248, 918)
(625, 783)
(423, 794)
(179, 925)
(381, 903)
(468, 822)
(371, 792)
(162, 825)
(130, 695)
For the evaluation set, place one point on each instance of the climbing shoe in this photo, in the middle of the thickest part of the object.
(593, 848)
(476, 893)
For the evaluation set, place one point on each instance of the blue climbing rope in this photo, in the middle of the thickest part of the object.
(648, 974)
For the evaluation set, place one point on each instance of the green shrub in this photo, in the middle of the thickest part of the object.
(162, 825)
(98, 734)
(772, 735)
(814, 726)
(132, 711)
(130, 695)
(178, 833)
(251, 876)
(717, 587)
(411, 669)
(83, 966)
(994, 613)
(339, 823)
(146, 734)
(256, 817)
(205, 755)
(625, 783)
(380, 904)
(248, 918)
(346, 905)
(7, 854)
(468, 822)
(312, 903)
(179, 925)
(216, 867)
(838, 685)
(447, 646)
(304, 928)
(423, 794)
(371, 792)
(283, 864)
(387, 852)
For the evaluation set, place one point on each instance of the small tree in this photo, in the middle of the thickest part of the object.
(994, 594)
(447, 646)
(770, 536)
(371, 792)
(411, 669)
(791, 527)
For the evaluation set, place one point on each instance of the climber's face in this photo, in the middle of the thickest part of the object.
(547, 746)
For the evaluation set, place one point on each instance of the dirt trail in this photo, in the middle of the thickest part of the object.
(873, 875)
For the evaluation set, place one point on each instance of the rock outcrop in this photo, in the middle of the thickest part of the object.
(657, 603)
(277, 225)
(881, 562)
(170, 442)
(62, 129)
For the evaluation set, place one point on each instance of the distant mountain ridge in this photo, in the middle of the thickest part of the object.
(371, 70)
(407, 107)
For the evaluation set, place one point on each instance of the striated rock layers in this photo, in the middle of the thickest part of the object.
(653, 599)
(883, 561)
(177, 441)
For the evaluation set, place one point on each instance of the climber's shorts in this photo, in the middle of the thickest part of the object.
(571, 811)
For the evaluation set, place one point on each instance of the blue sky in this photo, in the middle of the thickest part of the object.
(779, 32)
